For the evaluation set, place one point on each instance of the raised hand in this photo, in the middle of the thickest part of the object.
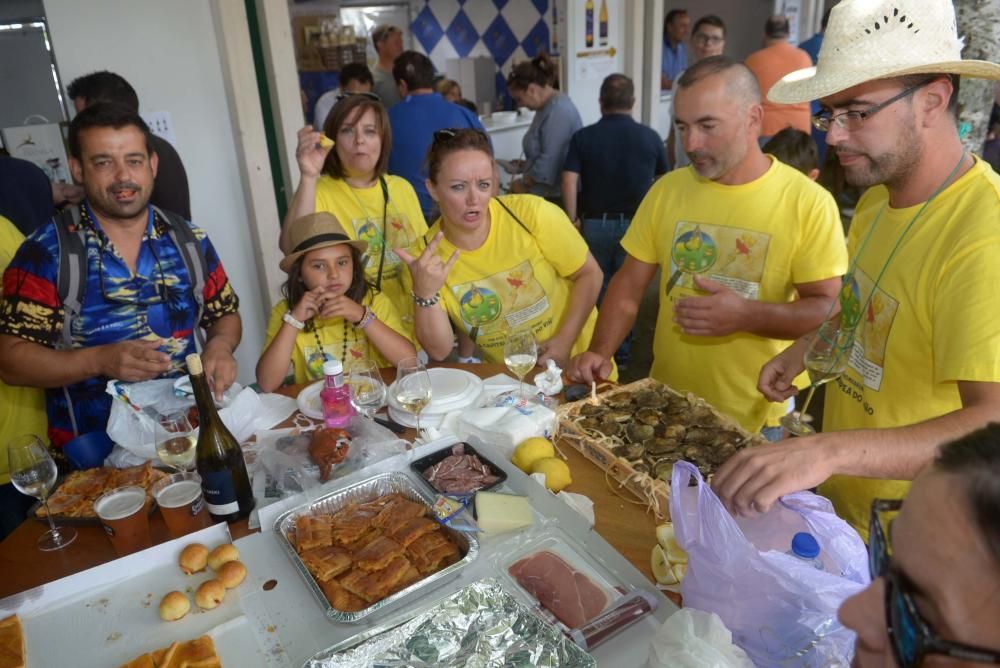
(309, 305)
(133, 361)
(341, 306)
(589, 367)
(220, 366)
(776, 377)
(719, 313)
(429, 272)
(310, 153)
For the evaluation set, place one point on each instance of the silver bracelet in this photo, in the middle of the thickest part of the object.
(420, 301)
(291, 320)
(368, 318)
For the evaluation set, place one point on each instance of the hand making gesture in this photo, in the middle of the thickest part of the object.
(429, 272)
(311, 151)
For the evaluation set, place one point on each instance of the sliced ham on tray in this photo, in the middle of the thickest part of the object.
(562, 590)
(460, 473)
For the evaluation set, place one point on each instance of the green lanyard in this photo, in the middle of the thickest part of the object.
(385, 217)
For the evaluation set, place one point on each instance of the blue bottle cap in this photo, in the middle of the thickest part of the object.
(805, 546)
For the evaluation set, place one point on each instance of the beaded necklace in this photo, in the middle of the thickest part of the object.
(343, 351)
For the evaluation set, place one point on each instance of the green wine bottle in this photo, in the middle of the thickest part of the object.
(219, 459)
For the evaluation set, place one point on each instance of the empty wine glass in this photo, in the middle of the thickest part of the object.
(176, 441)
(413, 386)
(520, 353)
(34, 473)
(367, 388)
(825, 359)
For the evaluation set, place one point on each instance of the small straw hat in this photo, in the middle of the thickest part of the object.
(878, 39)
(316, 230)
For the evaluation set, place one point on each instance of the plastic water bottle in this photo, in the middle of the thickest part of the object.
(335, 396)
(805, 547)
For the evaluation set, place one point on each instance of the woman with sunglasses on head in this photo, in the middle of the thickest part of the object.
(348, 179)
(493, 264)
(547, 140)
(935, 562)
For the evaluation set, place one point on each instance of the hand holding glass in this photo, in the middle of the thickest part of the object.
(367, 388)
(34, 473)
(413, 386)
(520, 354)
(825, 359)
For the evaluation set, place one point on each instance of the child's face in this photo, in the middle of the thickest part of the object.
(331, 268)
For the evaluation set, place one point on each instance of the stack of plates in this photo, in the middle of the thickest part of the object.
(451, 390)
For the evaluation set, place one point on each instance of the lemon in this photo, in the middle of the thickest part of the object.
(661, 567)
(680, 570)
(556, 472)
(668, 541)
(530, 451)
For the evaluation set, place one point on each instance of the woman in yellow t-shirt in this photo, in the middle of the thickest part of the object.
(329, 310)
(495, 264)
(347, 177)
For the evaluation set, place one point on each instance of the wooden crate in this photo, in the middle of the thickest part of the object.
(654, 491)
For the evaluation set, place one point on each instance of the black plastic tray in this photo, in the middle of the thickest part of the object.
(424, 463)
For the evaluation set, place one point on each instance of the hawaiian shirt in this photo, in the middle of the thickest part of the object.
(156, 302)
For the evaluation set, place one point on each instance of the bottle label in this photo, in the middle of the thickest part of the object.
(220, 493)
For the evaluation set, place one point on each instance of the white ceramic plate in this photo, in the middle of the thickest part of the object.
(451, 389)
(309, 402)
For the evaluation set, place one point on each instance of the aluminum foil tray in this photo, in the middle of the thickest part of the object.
(480, 625)
(362, 492)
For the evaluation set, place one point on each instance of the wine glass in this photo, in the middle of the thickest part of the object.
(520, 353)
(825, 359)
(175, 441)
(367, 388)
(413, 386)
(34, 473)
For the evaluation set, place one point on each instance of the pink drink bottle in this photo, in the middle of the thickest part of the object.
(336, 396)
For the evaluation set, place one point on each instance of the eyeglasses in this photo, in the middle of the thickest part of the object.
(854, 120)
(363, 93)
(702, 38)
(910, 635)
(134, 291)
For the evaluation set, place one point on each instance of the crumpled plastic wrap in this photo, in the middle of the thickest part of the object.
(480, 625)
(691, 639)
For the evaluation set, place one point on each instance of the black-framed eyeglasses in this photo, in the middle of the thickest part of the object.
(363, 93)
(910, 635)
(702, 38)
(138, 295)
(854, 120)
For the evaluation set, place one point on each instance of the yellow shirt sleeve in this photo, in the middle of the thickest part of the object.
(388, 314)
(274, 321)
(557, 239)
(822, 251)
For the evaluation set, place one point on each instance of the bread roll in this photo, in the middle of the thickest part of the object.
(209, 594)
(232, 573)
(174, 606)
(221, 555)
(193, 558)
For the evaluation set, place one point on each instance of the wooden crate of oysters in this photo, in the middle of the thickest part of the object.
(636, 432)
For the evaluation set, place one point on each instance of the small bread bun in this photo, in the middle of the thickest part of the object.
(209, 594)
(222, 554)
(174, 606)
(193, 558)
(232, 573)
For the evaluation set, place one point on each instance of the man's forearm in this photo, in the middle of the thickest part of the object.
(617, 314)
(30, 364)
(569, 186)
(787, 320)
(227, 331)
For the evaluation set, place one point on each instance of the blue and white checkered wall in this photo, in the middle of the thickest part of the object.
(506, 30)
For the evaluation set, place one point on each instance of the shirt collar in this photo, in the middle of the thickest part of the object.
(156, 227)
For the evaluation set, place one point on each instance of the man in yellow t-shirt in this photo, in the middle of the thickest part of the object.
(750, 252)
(22, 409)
(921, 294)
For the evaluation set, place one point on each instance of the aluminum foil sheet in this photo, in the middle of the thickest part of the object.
(480, 625)
(364, 491)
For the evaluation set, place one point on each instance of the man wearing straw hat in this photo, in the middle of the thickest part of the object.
(921, 294)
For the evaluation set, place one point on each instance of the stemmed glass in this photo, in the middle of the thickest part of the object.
(825, 359)
(413, 386)
(34, 473)
(367, 388)
(175, 441)
(520, 354)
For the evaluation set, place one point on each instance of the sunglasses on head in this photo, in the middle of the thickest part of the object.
(447, 134)
(910, 635)
(346, 94)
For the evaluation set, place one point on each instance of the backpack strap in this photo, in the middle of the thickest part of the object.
(71, 282)
(187, 243)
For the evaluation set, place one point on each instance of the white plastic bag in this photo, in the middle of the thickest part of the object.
(694, 639)
(781, 609)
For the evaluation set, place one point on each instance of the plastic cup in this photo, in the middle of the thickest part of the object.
(123, 514)
(88, 451)
(182, 503)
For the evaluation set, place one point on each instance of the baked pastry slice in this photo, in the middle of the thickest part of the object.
(397, 512)
(377, 554)
(413, 529)
(340, 598)
(197, 653)
(326, 562)
(312, 531)
(12, 654)
(375, 585)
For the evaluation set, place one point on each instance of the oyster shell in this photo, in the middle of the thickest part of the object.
(634, 451)
(660, 446)
(639, 432)
(649, 416)
(620, 400)
(591, 410)
(609, 427)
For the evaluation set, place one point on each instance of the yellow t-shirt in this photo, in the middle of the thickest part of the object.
(338, 337)
(518, 277)
(359, 210)
(931, 322)
(22, 409)
(759, 239)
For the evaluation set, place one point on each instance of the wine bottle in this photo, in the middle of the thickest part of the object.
(603, 23)
(219, 459)
(589, 19)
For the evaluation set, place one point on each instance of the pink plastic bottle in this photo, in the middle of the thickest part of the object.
(336, 396)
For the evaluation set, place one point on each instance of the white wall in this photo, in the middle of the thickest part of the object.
(169, 52)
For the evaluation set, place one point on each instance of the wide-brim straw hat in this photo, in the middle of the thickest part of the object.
(316, 230)
(878, 39)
